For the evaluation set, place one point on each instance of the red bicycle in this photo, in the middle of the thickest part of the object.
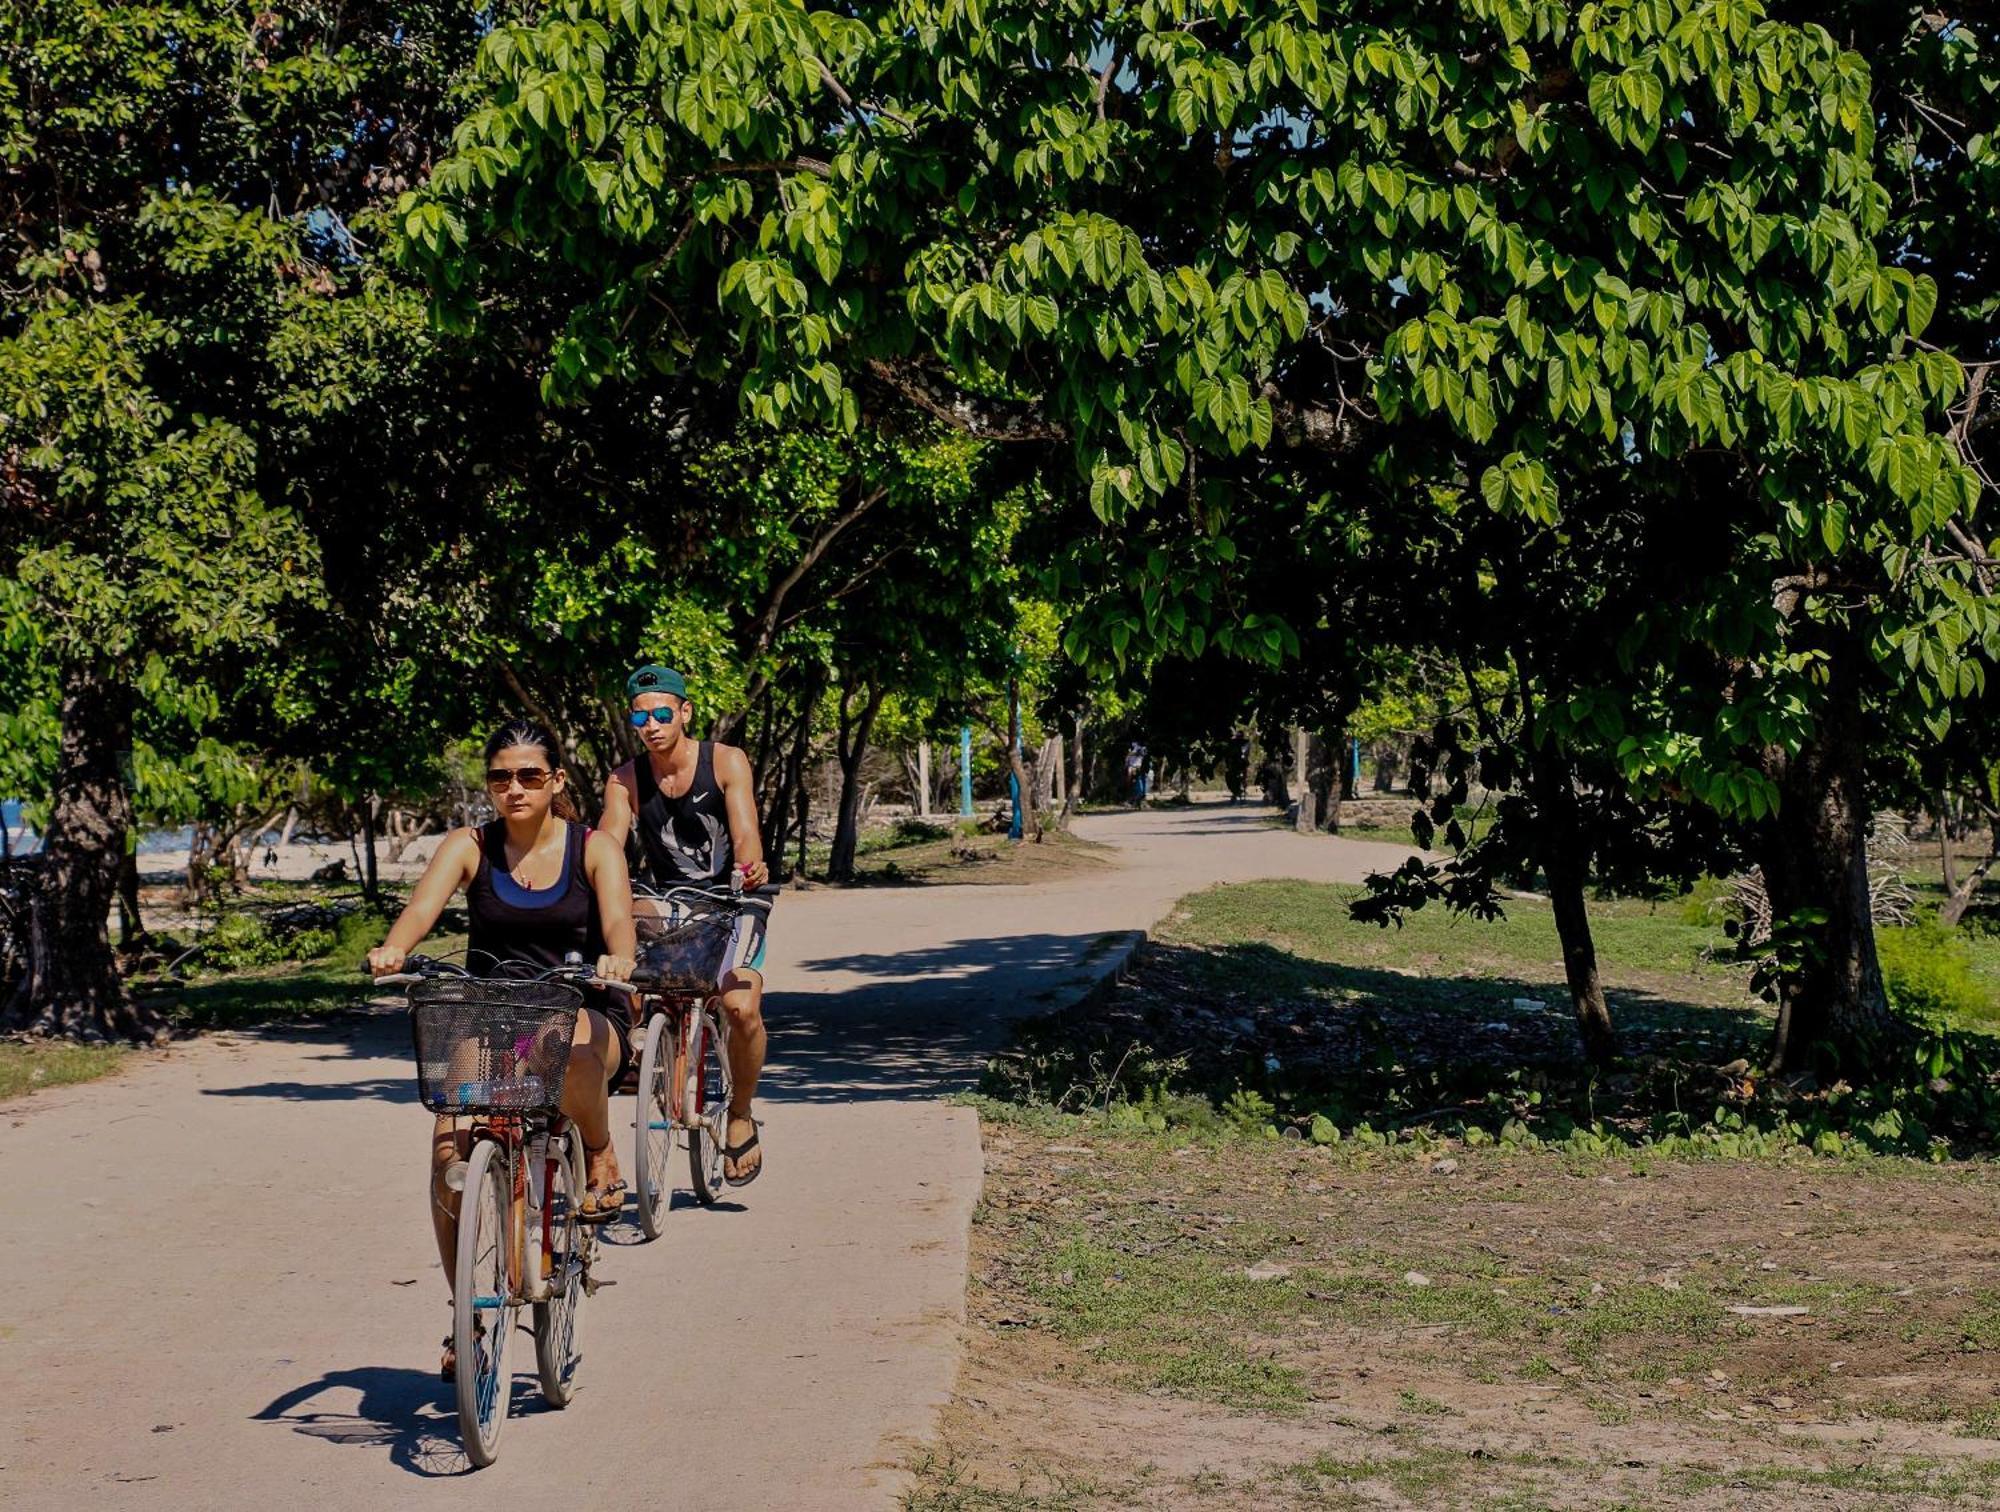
(690, 939)
(495, 1050)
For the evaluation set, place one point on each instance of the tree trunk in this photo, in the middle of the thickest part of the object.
(1565, 858)
(1048, 773)
(923, 779)
(198, 884)
(851, 744)
(131, 927)
(1946, 860)
(1386, 767)
(1334, 787)
(1303, 816)
(1814, 855)
(371, 875)
(71, 986)
(1959, 893)
(1081, 787)
(1586, 987)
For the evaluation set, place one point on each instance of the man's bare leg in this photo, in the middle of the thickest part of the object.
(742, 1004)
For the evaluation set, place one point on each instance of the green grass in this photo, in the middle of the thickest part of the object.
(35, 1065)
(944, 1485)
(209, 1000)
(1186, 1322)
(1646, 951)
(1912, 1476)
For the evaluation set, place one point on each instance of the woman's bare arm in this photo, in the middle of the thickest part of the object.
(604, 865)
(455, 864)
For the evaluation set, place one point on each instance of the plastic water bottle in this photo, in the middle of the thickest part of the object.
(523, 1093)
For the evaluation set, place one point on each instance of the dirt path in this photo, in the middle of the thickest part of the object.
(224, 1293)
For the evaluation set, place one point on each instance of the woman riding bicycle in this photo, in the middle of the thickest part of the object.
(538, 887)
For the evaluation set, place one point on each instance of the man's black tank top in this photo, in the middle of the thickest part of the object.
(685, 839)
(537, 925)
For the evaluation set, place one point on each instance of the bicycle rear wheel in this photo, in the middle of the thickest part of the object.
(709, 1090)
(559, 1321)
(653, 1127)
(482, 1310)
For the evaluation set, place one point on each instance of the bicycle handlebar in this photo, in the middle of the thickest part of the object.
(758, 897)
(428, 966)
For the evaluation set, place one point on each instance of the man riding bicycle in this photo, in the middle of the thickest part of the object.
(694, 806)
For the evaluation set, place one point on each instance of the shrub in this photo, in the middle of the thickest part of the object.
(311, 944)
(355, 935)
(1928, 972)
(240, 940)
(1710, 903)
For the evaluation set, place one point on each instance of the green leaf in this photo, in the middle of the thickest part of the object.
(1921, 303)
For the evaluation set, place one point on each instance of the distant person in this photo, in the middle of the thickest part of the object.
(1136, 773)
(694, 806)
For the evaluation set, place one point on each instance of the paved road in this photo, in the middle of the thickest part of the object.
(223, 1291)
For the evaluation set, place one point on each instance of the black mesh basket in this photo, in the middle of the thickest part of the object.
(487, 1046)
(685, 956)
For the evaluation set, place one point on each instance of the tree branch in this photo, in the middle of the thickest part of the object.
(1011, 420)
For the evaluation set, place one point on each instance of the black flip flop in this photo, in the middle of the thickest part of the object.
(736, 1153)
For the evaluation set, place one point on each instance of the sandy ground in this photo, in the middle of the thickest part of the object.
(225, 1290)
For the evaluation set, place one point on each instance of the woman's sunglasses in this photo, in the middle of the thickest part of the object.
(663, 715)
(531, 778)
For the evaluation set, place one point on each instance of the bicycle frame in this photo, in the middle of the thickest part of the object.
(531, 1148)
(685, 1098)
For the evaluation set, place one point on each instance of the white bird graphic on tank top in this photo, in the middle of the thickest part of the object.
(697, 860)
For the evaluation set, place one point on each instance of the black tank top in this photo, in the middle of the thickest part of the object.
(538, 925)
(685, 839)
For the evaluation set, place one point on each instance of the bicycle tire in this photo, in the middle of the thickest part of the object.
(559, 1321)
(653, 1129)
(708, 1093)
(482, 1310)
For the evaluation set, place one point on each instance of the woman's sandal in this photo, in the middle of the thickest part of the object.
(601, 1204)
(735, 1154)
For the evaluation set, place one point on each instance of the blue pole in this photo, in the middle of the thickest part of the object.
(1013, 752)
(965, 770)
(1357, 763)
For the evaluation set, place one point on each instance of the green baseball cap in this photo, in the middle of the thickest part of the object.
(656, 679)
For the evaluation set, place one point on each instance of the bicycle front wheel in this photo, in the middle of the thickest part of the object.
(653, 1127)
(482, 1309)
(558, 1321)
(709, 1091)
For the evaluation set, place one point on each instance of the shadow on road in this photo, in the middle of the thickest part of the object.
(380, 1088)
(406, 1411)
(915, 1023)
(922, 1022)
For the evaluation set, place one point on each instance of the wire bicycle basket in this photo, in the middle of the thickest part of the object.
(685, 951)
(492, 1046)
